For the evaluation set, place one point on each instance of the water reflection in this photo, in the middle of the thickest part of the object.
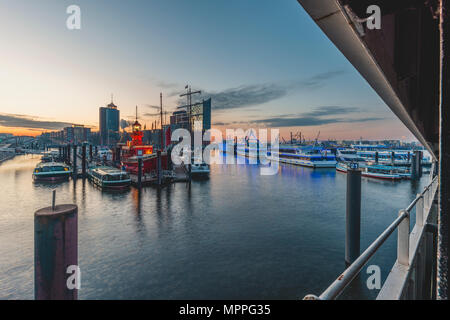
(238, 235)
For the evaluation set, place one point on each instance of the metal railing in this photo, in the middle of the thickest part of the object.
(407, 277)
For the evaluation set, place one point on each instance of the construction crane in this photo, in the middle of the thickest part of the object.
(317, 137)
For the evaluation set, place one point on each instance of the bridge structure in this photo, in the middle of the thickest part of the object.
(407, 62)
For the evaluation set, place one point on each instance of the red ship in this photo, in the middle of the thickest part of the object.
(135, 149)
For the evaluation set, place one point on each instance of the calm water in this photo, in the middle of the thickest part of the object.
(238, 235)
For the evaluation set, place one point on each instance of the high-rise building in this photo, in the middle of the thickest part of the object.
(109, 124)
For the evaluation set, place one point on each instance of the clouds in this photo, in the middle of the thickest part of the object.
(256, 94)
(319, 116)
(23, 121)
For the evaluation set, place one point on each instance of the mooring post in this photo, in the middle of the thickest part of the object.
(75, 170)
(68, 154)
(169, 159)
(393, 157)
(414, 174)
(376, 157)
(90, 152)
(139, 173)
(114, 155)
(119, 155)
(353, 216)
(83, 160)
(56, 272)
(158, 153)
(96, 150)
(419, 163)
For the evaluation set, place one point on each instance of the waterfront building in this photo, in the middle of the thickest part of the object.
(109, 121)
(200, 112)
(76, 134)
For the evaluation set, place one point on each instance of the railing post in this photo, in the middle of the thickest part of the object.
(420, 211)
(403, 239)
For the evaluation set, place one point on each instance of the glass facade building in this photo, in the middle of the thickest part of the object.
(109, 124)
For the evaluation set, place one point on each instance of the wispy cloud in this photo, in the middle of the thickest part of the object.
(308, 121)
(256, 94)
(167, 85)
(319, 116)
(24, 121)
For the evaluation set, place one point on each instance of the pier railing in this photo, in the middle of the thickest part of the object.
(412, 274)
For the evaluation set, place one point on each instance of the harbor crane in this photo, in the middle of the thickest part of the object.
(317, 137)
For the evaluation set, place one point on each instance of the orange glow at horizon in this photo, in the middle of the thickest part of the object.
(22, 131)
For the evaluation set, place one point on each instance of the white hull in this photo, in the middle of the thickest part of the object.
(306, 163)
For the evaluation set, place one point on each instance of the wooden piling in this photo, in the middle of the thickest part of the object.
(353, 216)
(55, 250)
(83, 160)
(119, 155)
(419, 163)
(140, 173)
(68, 154)
(75, 170)
(158, 154)
(414, 173)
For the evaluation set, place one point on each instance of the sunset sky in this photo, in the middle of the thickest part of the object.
(264, 64)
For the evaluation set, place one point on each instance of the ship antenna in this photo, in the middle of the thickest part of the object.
(136, 114)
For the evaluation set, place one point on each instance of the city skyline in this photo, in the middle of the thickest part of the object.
(284, 74)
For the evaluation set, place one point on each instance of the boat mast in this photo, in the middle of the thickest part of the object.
(162, 127)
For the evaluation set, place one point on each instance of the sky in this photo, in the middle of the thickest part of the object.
(264, 63)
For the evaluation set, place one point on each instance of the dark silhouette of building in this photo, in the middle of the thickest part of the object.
(109, 124)
(200, 112)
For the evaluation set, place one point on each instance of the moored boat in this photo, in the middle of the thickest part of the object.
(51, 171)
(348, 155)
(109, 178)
(199, 169)
(313, 157)
(376, 171)
(135, 150)
(381, 172)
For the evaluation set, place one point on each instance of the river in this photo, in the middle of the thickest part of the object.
(238, 235)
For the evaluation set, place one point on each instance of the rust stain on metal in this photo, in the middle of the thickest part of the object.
(341, 277)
